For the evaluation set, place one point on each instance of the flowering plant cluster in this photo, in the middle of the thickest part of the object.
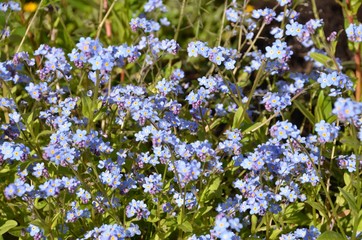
(165, 138)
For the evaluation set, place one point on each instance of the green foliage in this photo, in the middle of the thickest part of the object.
(332, 203)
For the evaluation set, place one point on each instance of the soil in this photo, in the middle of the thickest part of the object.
(332, 15)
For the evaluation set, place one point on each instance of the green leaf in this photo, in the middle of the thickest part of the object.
(350, 199)
(43, 133)
(254, 222)
(40, 204)
(153, 219)
(323, 108)
(29, 120)
(318, 109)
(359, 227)
(186, 226)
(86, 105)
(318, 207)
(215, 123)
(238, 117)
(252, 127)
(275, 233)
(214, 186)
(340, 201)
(9, 224)
(355, 5)
(16, 231)
(323, 59)
(329, 235)
(243, 79)
(298, 218)
(99, 116)
(332, 119)
(38, 223)
(5, 169)
(350, 141)
(152, 87)
(13, 89)
(293, 209)
(347, 179)
(305, 111)
(334, 43)
(202, 211)
(55, 221)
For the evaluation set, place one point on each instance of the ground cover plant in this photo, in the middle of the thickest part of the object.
(188, 119)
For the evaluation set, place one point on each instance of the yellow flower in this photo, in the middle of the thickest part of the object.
(249, 8)
(30, 6)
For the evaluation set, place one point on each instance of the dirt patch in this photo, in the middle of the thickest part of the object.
(330, 12)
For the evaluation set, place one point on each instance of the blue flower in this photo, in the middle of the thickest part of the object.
(354, 32)
(294, 29)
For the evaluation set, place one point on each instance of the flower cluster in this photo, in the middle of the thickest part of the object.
(302, 233)
(55, 64)
(153, 184)
(138, 208)
(232, 144)
(347, 110)
(276, 102)
(10, 5)
(9, 70)
(232, 15)
(208, 87)
(218, 55)
(282, 3)
(151, 5)
(13, 152)
(165, 145)
(157, 47)
(354, 32)
(50, 188)
(35, 232)
(224, 227)
(144, 24)
(335, 79)
(348, 162)
(113, 231)
(91, 53)
(188, 199)
(284, 130)
(278, 51)
(326, 132)
(266, 14)
(75, 213)
(112, 176)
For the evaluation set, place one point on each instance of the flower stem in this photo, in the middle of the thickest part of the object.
(29, 25)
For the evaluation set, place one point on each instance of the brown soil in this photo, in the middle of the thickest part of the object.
(330, 12)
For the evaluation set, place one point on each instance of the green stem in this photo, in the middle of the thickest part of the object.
(358, 187)
(35, 147)
(104, 18)
(267, 225)
(277, 113)
(334, 210)
(219, 36)
(180, 19)
(197, 30)
(254, 41)
(221, 30)
(257, 80)
(29, 25)
(94, 102)
(323, 37)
